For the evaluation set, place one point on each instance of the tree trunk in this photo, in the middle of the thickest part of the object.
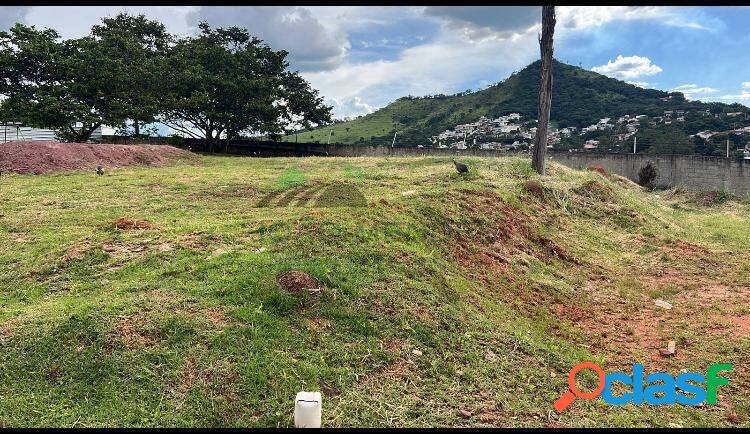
(545, 89)
(84, 134)
(136, 128)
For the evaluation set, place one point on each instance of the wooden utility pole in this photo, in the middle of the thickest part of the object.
(545, 88)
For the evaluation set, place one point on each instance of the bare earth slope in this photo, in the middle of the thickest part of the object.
(45, 157)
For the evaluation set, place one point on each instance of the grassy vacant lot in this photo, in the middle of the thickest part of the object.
(447, 301)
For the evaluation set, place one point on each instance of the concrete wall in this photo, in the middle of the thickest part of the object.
(689, 172)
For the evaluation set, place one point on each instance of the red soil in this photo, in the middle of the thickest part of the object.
(45, 157)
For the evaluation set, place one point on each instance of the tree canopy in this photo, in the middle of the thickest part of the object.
(220, 83)
(226, 82)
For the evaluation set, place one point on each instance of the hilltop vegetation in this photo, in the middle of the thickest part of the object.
(153, 297)
(580, 98)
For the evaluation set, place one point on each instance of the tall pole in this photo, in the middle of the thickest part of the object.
(727, 148)
(329, 137)
(635, 141)
(394, 139)
(545, 88)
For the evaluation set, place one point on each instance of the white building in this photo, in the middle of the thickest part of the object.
(14, 131)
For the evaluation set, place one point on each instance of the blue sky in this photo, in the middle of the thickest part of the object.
(363, 57)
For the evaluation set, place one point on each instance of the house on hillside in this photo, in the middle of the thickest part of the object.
(16, 131)
(591, 144)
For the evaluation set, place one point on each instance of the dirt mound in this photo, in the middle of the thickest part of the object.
(535, 188)
(128, 223)
(598, 169)
(296, 281)
(45, 157)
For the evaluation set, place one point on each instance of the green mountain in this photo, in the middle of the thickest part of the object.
(579, 98)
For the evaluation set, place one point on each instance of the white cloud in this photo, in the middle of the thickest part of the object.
(359, 18)
(443, 66)
(76, 21)
(629, 67)
(10, 15)
(480, 22)
(589, 17)
(741, 97)
(350, 107)
(312, 45)
(692, 91)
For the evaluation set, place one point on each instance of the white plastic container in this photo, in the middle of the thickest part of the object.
(308, 410)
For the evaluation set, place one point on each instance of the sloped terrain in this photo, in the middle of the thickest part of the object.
(46, 157)
(438, 300)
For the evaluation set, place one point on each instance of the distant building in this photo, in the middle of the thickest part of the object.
(15, 131)
(591, 144)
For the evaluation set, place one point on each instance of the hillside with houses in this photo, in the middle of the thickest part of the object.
(515, 132)
(590, 112)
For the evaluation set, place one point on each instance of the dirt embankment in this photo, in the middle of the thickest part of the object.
(45, 157)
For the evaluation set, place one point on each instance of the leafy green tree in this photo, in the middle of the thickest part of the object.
(225, 82)
(133, 49)
(77, 85)
(27, 71)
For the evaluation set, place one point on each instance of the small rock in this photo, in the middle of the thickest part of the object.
(663, 304)
(416, 352)
(465, 414)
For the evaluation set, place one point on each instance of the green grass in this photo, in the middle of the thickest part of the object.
(184, 324)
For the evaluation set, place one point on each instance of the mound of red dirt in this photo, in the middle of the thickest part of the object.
(45, 157)
(296, 281)
(128, 223)
(598, 169)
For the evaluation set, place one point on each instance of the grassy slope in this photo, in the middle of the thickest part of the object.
(463, 294)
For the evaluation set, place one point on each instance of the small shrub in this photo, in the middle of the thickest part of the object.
(647, 176)
(723, 195)
(355, 173)
(521, 169)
